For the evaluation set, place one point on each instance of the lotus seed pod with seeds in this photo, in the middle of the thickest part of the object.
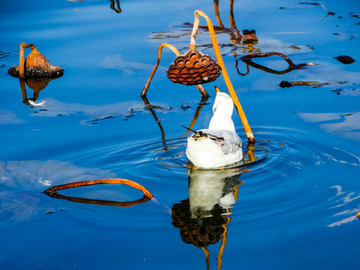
(193, 68)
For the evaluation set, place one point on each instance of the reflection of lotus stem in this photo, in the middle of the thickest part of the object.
(197, 113)
(217, 14)
(232, 19)
(241, 113)
(223, 244)
(23, 92)
(99, 202)
(171, 47)
(207, 257)
(292, 66)
(130, 183)
(147, 103)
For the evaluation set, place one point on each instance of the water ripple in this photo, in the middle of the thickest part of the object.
(285, 176)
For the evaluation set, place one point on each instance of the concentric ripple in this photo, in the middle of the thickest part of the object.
(285, 176)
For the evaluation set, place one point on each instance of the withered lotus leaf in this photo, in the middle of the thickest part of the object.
(37, 66)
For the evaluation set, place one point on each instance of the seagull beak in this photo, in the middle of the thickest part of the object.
(217, 89)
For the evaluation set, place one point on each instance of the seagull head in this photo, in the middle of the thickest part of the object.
(222, 109)
(223, 104)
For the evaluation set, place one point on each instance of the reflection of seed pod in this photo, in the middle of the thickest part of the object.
(193, 231)
(193, 68)
(250, 37)
(37, 84)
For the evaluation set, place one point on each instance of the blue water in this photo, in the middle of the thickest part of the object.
(292, 205)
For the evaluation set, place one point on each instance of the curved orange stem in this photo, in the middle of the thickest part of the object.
(130, 183)
(233, 95)
(172, 48)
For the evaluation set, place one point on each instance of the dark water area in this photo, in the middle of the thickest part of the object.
(292, 205)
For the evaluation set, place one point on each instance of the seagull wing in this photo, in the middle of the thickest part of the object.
(227, 140)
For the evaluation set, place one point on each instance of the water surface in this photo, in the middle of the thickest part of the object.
(293, 203)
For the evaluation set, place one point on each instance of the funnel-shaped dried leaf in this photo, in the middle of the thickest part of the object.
(37, 66)
(193, 68)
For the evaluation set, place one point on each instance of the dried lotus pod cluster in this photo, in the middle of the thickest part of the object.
(193, 68)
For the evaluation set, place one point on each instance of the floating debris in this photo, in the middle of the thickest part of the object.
(347, 91)
(345, 59)
(314, 84)
(309, 3)
(185, 106)
(4, 54)
(358, 214)
(117, 9)
(35, 66)
(354, 15)
(328, 12)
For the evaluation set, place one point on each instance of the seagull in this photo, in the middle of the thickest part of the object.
(219, 145)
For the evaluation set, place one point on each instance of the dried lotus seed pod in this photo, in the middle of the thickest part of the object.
(193, 68)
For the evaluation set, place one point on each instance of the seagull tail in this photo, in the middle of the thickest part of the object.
(189, 129)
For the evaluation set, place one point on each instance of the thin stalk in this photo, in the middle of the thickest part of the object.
(22, 61)
(172, 48)
(233, 95)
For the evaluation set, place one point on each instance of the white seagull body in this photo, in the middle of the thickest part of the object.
(219, 145)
